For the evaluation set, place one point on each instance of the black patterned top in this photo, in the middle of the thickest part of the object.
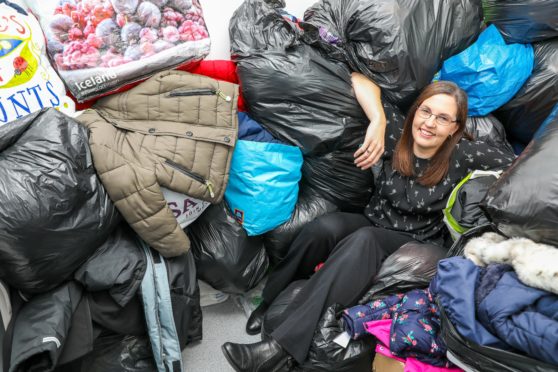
(401, 203)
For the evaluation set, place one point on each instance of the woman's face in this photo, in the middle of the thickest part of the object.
(433, 123)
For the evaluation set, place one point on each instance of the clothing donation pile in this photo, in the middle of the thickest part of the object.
(182, 169)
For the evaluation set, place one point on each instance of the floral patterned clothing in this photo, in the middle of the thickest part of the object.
(415, 328)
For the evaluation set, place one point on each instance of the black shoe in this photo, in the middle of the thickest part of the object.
(254, 323)
(263, 356)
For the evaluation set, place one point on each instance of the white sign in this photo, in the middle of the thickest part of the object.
(185, 208)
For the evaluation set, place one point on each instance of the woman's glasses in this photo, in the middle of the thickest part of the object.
(424, 113)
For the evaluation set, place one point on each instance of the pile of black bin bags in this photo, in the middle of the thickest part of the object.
(75, 268)
(295, 79)
(81, 275)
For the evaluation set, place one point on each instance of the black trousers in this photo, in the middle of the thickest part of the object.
(353, 252)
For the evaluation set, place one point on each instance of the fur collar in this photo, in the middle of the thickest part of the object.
(535, 264)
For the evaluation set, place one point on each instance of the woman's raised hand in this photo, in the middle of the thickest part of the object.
(373, 146)
(368, 95)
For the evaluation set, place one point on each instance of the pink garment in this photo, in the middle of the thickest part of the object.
(381, 329)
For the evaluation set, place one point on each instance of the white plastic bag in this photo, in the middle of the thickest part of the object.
(185, 208)
(28, 83)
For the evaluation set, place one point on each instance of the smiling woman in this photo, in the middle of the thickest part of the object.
(419, 166)
(433, 127)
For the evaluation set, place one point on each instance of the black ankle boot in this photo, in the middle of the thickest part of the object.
(254, 323)
(263, 356)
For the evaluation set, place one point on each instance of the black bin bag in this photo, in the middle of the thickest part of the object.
(523, 202)
(463, 211)
(411, 266)
(466, 209)
(335, 177)
(299, 95)
(308, 207)
(523, 21)
(185, 298)
(113, 352)
(530, 107)
(489, 130)
(55, 211)
(226, 257)
(326, 355)
(258, 26)
(400, 44)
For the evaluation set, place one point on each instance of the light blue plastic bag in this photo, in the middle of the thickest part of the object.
(263, 184)
(490, 71)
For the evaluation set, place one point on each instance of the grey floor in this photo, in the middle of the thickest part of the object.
(221, 323)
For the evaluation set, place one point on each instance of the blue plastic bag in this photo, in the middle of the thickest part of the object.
(263, 184)
(490, 71)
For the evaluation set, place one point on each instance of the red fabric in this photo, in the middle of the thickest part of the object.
(216, 69)
(318, 267)
(221, 70)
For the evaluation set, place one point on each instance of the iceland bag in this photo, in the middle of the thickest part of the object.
(98, 46)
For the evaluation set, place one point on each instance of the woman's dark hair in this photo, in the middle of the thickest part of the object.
(403, 157)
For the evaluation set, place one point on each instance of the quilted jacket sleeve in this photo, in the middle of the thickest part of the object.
(511, 309)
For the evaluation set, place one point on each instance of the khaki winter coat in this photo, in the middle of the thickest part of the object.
(176, 130)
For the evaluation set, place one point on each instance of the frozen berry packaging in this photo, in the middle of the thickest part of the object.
(98, 46)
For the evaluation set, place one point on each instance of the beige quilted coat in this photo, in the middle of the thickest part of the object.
(176, 130)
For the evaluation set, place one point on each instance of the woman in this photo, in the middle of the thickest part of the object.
(417, 175)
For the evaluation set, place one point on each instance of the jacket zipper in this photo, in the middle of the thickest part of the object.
(200, 92)
(193, 175)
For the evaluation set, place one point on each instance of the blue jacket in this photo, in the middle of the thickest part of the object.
(251, 130)
(510, 314)
(525, 317)
(455, 285)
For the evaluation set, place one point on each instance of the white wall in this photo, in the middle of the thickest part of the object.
(217, 14)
